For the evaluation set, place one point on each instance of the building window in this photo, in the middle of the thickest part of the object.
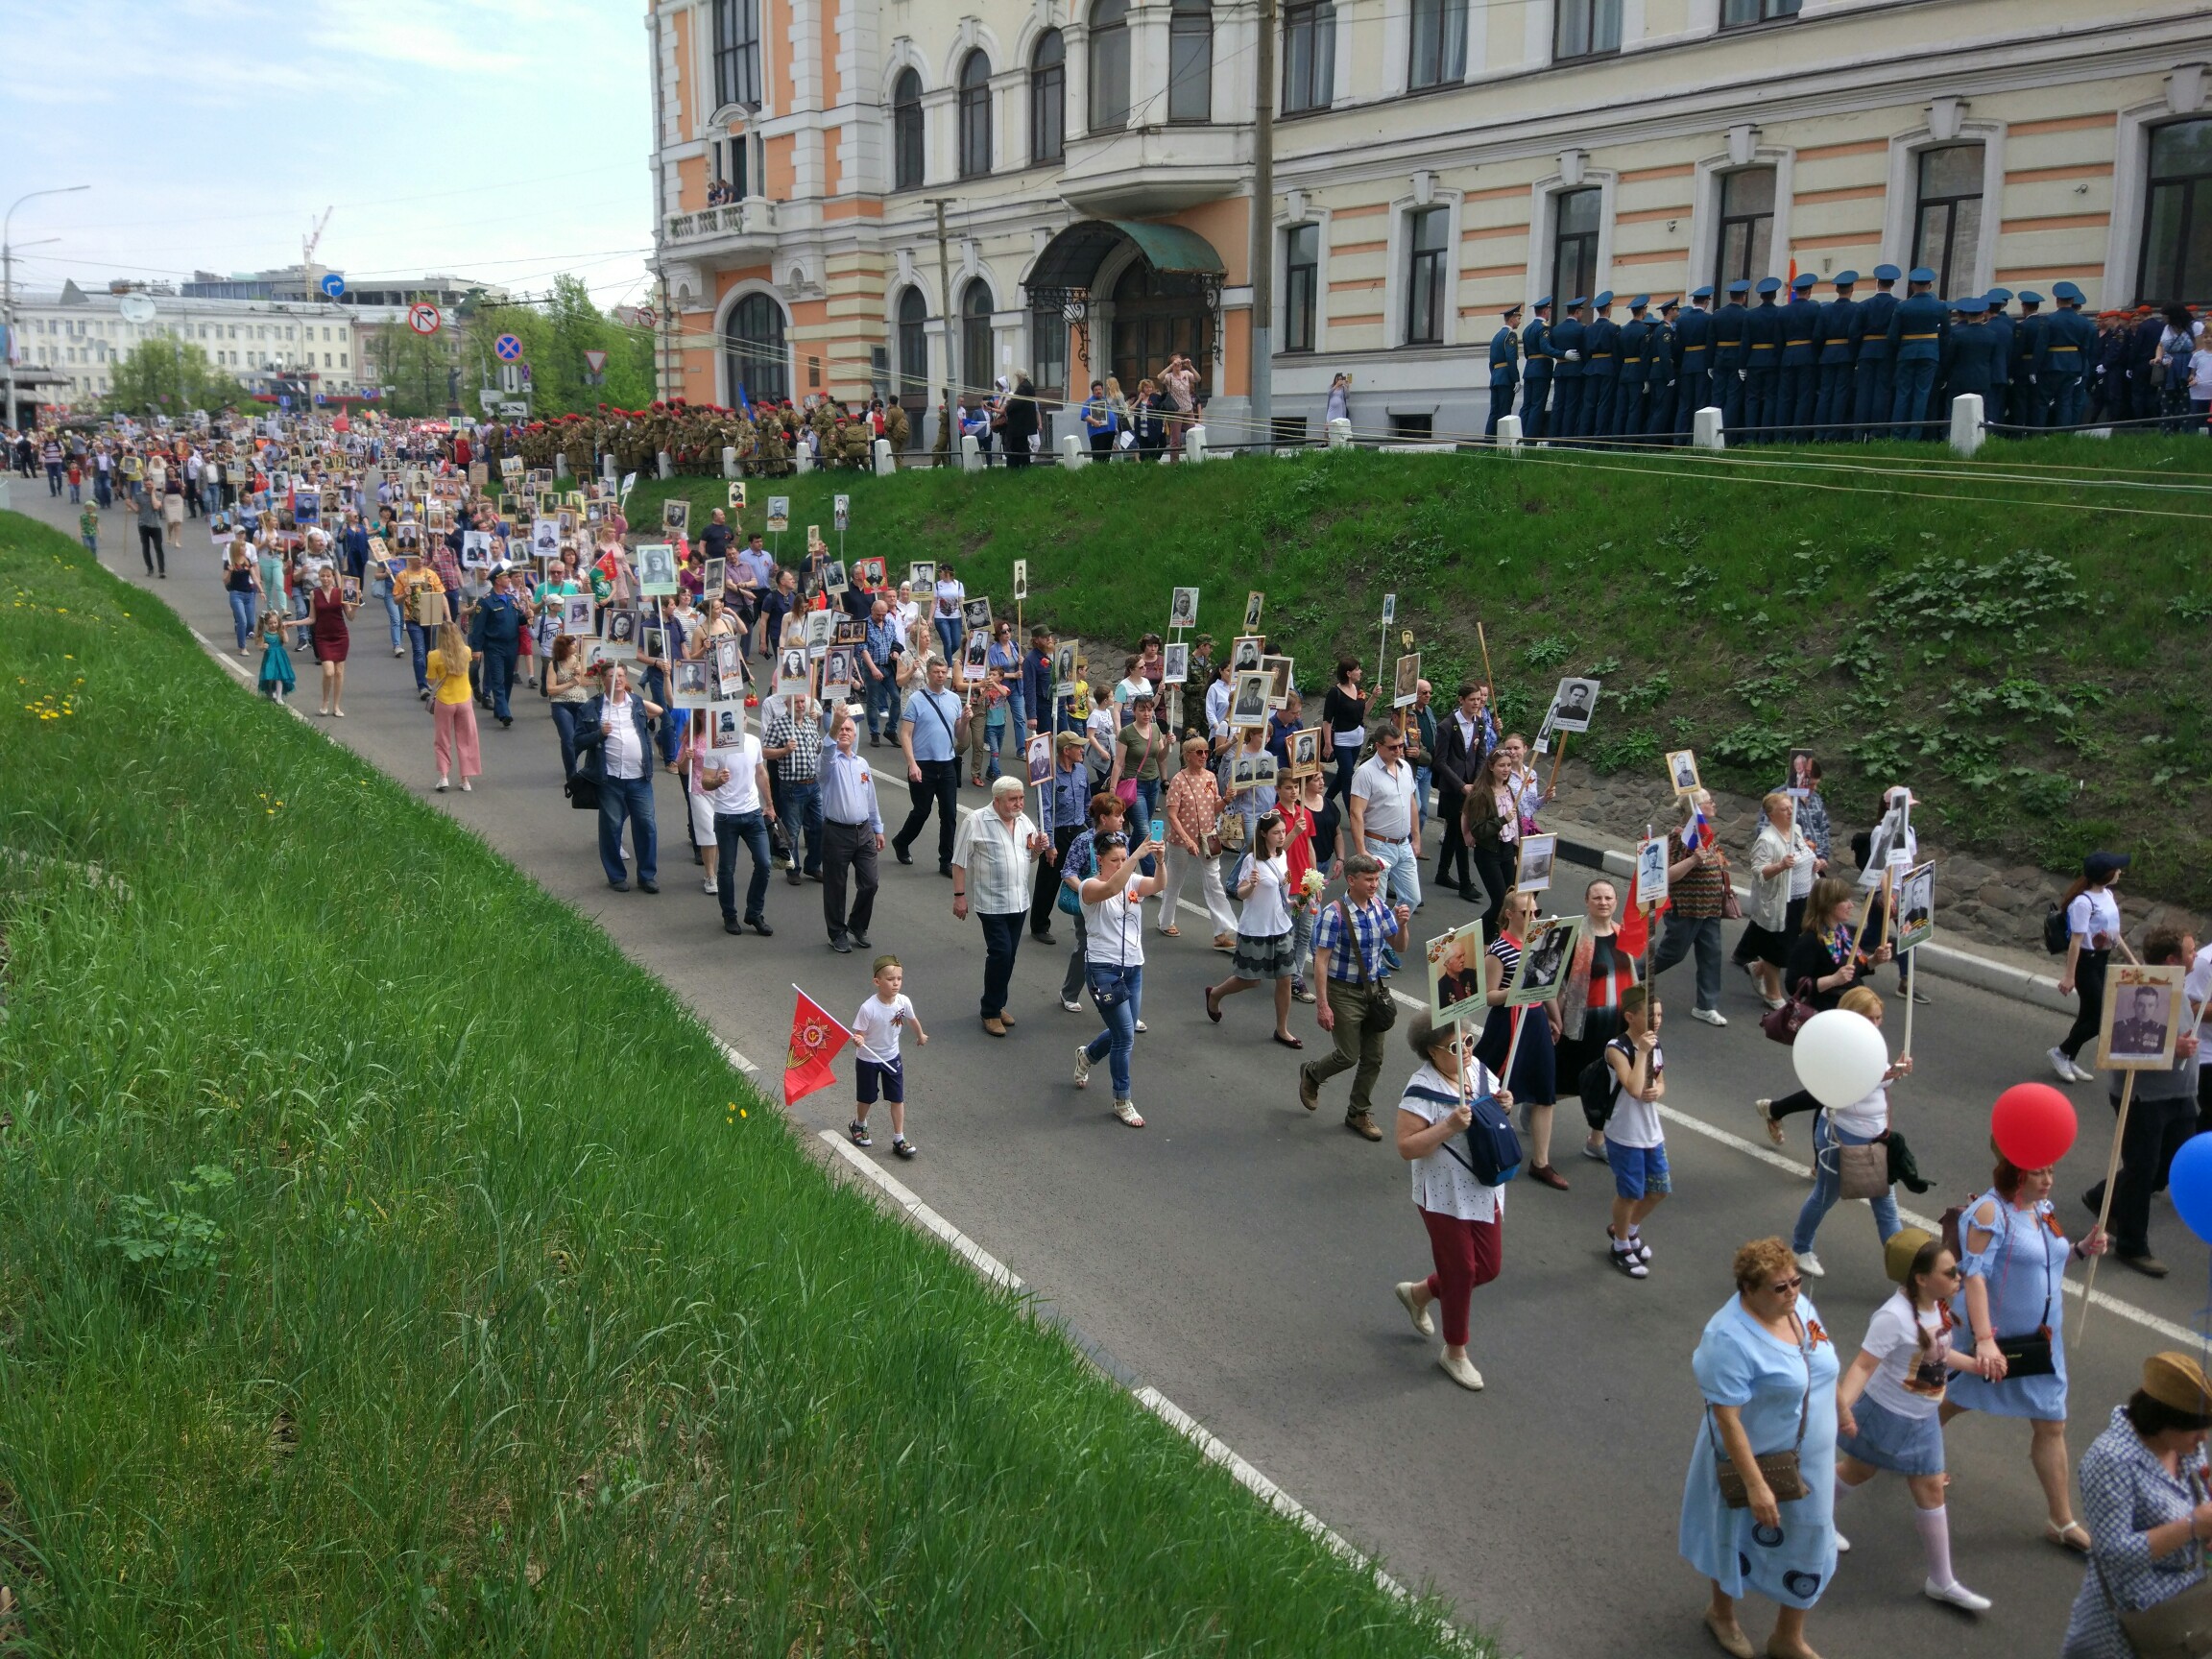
(1439, 43)
(1737, 14)
(1418, 428)
(913, 360)
(1746, 244)
(1109, 64)
(1575, 243)
(1586, 28)
(975, 116)
(906, 132)
(1301, 285)
(738, 53)
(1049, 351)
(759, 365)
(2177, 263)
(1425, 232)
(975, 365)
(1308, 55)
(1047, 98)
(1947, 221)
(1190, 60)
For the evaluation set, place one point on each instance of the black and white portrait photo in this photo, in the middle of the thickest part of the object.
(1572, 705)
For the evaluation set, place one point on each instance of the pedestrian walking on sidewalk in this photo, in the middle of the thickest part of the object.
(1356, 943)
(2093, 929)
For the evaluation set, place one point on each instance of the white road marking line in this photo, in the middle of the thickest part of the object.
(740, 1061)
(979, 1258)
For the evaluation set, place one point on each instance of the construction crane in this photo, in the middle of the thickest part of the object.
(314, 239)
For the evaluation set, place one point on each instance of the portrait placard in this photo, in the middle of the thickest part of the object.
(1801, 781)
(1248, 706)
(1652, 873)
(1915, 907)
(779, 513)
(841, 513)
(1572, 705)
(676, 516)
(2144, 1013)
(1406, 682)
(1182, 609)
(576, 614)
(1455, 976)
(1245, 651)
(1682, 770)
(1533, 872)
(1174, 664)
(870, 573)
(1020, 580)
(1544, 956)
(792, 678)
(833, 581)
(655, 562)
(1305, 746)
(1278, 672)
(737, 494)
(692, 684)
(622, 633)
(544, 537)
(477, 550)
(975, 615)
(1254, 603)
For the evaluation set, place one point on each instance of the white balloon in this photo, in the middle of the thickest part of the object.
(1840, 1057)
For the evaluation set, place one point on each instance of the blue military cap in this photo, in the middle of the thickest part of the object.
(1642, 302)
(1512, 310)
(2063, 290)
(1769, 284)
(1887, 273)
(1803, 279)
(1704, 293)
(1577, 304)
(1999, 296)
(1543, 302)
(1846, 278)
(1920, 274)
(1675, 304)
(1603, 300)
(2029, 297)
(1972, 303)
(1741, 285)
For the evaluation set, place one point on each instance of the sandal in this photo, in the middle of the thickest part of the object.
(1774, 1131)
(1287, 1042)
(2064, 1536)
(1213, 1012)
(1170, 933)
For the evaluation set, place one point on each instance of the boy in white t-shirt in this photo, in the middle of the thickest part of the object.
(1635, 1145)
(876, 1028)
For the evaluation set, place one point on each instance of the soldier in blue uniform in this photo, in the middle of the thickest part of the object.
(1999, 324)
(1536, 384)
(1798, 384)
(1693, 361)
(1727, 365)
(1504, 368)
(1635, 343)
(1761, 365)
(2062, 354)
(1832, 347)
(1660, 373)
(1872, 365)
(1970, 358)
(2024, 401)
(1915, 336)
(1601, 368)
(1567, 344)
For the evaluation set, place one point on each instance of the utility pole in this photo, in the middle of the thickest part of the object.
(8, 296)
(945, 302)
(1263, 231)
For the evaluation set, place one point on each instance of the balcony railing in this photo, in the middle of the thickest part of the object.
(755, 216)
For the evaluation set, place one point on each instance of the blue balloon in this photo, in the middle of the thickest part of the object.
(2190, 1185)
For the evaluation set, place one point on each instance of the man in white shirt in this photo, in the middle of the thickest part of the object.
(1384, 823)
(852, 834)
(998, 852)
(611, 730)
(735, 780)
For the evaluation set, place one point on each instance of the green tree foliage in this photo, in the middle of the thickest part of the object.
(555, 334)
(414, 366)
(166, 377)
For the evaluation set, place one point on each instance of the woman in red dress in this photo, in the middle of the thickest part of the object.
(327, 609)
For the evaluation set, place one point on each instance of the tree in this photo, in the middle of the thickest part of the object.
(413, 366)
(554, 333)
(166, 377)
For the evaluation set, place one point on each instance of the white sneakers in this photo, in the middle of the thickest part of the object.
(1709, 1016)
(1808, 1264)
(2068, 1071)
(1416, 1311)
(1461, 1370)
(1956, 1595)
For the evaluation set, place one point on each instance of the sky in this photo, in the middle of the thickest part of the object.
(500, 139)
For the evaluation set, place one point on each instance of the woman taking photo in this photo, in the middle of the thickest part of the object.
(1114, 963)
(327, 609)
(569, 686)
(1886, 1403)
(2143, 1483)
(1779, 853)
(1263, 942)
(1344, 727)
(1862, 1123)
(1768, 1372)
(1490, 823)
(1590, 1003)
(452, 710)
(1828, 957)
(1535, 1079)
(1464, 1218)
(2009, 1321)
(242, 587)
(2093, 928)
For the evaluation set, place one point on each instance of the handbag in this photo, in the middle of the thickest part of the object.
(1780, 1469)
(1783, 1024)
(1862, 1171)
(2028, 1354)
(583, 793)
(1494, 1155)
(1069, 901)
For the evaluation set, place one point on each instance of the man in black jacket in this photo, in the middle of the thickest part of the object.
(616, 746)
(1463, 737)
(1020, 422)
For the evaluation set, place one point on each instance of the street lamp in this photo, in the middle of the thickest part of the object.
(7, 294)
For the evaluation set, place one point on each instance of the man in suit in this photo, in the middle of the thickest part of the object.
(1873, 373)
(1536, 375)
(1463, 738)
(1693, 360)
(1762, 365)
(2063, 351)
(1797, 395)
(1504, 368)
(1567, 370)
(1661, 374)
(1915, 337)
(615, 740)
(1727, 364)
(1832, 348)
(1634, 348)
(1601, 368)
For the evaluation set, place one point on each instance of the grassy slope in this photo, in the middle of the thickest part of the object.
(2034, 669)
(514, 1337)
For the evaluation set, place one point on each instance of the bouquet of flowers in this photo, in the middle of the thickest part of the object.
(1309, 887)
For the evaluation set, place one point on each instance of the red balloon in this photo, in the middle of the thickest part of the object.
(2034, 1125)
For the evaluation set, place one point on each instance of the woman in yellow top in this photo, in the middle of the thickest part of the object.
(453, 708)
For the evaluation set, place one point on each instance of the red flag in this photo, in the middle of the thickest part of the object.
(815, 1041)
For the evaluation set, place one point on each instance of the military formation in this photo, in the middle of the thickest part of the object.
(767, 436)
(1801, 369)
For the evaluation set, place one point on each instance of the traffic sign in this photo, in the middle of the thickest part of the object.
(510, 380)
(332, 284)
(595, 361)
(424, 317)
(513, 411)
(647, 316)
(489, 396)
(509, 348)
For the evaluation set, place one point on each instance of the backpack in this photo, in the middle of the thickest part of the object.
(1493, 1155)
(2057, 932)
(1600, 1091)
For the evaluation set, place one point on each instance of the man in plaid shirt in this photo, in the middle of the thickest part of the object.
(793, 746)
(1349, 938)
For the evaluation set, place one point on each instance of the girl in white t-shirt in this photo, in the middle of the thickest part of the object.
(878, 1068)
(2093, 926)
(1889, 1403)
(1264, 931)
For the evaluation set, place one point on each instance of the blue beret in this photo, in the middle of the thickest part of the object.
(2029, 297)
(1804, 279)
(1887, 273)
(1769, 284)
(1704, 293)
(1603, 300)
(1845, 279)
(1741, 285)
(1920, 274)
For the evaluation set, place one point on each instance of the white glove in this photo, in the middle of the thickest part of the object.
(1573, 356)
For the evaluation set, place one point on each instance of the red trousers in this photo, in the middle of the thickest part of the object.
(1467, 1254)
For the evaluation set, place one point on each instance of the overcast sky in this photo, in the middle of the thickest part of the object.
(503, 139)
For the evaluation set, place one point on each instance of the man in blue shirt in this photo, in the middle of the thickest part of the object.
(880, 670)
(851, 834)
(933, 714)
(497, 632)
(1037, 699)
(1069, 798)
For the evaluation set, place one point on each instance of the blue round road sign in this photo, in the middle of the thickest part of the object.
(508, 346)
(333, 284)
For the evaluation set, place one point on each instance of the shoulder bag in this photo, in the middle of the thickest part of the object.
(1783, 1024)
(1862, 1171)
(1778, 1469)
(1069, 901)
(1493, 1155)
(1383, 1010)
(2028, 1354)
(2179, 1627)
(958, 739)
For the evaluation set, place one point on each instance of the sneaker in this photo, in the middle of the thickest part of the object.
(2065, 1067)
(1596, 1153)
(1627, 1260)
(467, 787)
(859, 1133)
(902, 1146)
(1069, 1005)
(2082, 1072)
(1299, 994)
(1416, 1311)
(1922, 998)
(1083, 1066)
(1956, 1595)
(1709, 1016)
(1126, 1110)
(1461, 1371)
(446, 784)
(707, 886)
(1808, 1264)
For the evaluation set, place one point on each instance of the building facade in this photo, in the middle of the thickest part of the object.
(861, 197)
(83, 335)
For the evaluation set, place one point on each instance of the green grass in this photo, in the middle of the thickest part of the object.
(2022, 637)
(387, 1265)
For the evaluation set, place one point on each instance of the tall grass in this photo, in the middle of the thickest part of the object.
(388, 1265)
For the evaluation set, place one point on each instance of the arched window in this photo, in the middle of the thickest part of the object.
(753, 348)
(913, 360)
(975, 116)
(906, 132)
(1047, 98)
(975, 365)
(2176, 262)
(1190, 60)
(1109, 64)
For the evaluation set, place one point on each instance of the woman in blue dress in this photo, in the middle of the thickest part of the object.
(2014, 1258)
(1767, 1371)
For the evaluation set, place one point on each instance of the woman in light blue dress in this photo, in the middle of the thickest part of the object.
(1767, 1371)
(2014, 1259)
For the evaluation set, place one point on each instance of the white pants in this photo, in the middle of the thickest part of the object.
(1180, 864)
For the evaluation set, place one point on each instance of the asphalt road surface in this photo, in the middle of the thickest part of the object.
(1237, 1254)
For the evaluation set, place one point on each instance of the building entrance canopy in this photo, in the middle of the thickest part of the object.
(1065, 273)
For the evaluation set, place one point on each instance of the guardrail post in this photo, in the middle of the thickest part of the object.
(1194, 443)
(1072, 453)
(1341, 433)
(1706, 431)
(1966, 432)
(728, 461)
(885, 465)
(1509, 434)
(802, 458)
(970, 453)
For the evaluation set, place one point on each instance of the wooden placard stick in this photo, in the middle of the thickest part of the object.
(1487, 676)
(1552, 783)
(1520, 1020)
(2111, 1180)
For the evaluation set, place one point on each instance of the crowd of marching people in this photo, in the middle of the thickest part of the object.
(787, 702)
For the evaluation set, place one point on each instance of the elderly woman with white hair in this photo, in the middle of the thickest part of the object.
(993, 870)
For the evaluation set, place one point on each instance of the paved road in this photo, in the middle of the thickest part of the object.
(1238, 1255)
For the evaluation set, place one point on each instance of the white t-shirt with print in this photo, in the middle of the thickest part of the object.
(877, 1028)
(1266, 913)
(2094, 918)
(1891, 1337)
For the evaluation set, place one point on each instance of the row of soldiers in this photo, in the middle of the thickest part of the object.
(1792, 373)
(766, 437)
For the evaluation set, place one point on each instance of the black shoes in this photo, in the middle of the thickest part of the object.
(903, 857)
(841, 946)
(759, 927)
(644, 886)
(730, 925)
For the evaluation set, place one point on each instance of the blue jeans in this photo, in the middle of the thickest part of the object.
(801, 810)
(671, 734)
(750, 827)
(242, 616)
(104, 489)
(1018, 717)
(995, 744)
(1001, 942)
(419, 647)
(949, 635)
(382, 590)
(1421, 778)
(1828, 1180)
(631, 799)
(1147, 808)
(1118, 995)
(883, 705)
(500, 678)
(565, 725)
(1401, 870)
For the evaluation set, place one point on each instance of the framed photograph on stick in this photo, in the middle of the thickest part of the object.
(1682, 771)
(1916, 907)
(1278, 670)
(676, 516)
(1174, 664)
(2145, 1010)
(1248, 706)
(1254, 603)
(1245, 651)
(1182, 609)
(1406, 682)
(1020, 580)
(1652, 873)
(1455, 976)
(1544, 956)
(1573, 703)
(1538, 853)
(1305, 747)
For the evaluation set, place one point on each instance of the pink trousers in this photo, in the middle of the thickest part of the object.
(456, 738)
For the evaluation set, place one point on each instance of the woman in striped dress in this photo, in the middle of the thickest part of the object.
(1534, 1079)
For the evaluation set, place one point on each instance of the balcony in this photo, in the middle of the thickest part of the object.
(747, 227)
(1151, 170)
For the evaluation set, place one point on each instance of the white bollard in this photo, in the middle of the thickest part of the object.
(1194, 443)
(665, 465)
(1072, 453)
(728, 461)
(970, 453)
(610, 469)
(1706, 431)
(802, 458)
(885, 465)
(1966, 432)
(1341, 433)
(1509, 434)
(560, 464)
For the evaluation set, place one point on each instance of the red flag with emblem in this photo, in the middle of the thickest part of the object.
(815, 1042)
